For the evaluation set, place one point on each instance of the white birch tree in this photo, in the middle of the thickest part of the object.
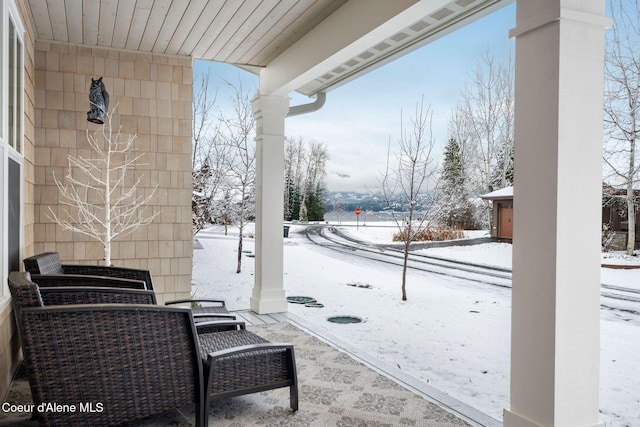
(482, 124)
(99, 194)
(622, 107)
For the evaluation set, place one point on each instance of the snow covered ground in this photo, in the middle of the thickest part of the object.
(451, 333)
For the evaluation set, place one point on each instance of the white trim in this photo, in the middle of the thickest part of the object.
(19, 28)
(13, 11)
(550, 15)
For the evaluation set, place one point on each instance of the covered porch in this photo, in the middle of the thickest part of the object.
(146, 50)
(339, 382)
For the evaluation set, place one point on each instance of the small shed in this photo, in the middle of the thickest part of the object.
(615, 218)
(502, 220)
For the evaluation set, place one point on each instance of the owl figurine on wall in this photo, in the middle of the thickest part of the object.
(98, 102)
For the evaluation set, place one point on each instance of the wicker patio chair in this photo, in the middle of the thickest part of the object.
(24, 286)
(26, 293)
(48, 264)
(236, 361)
(112, 363)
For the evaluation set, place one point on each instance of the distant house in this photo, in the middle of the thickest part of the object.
(615, 215)
(502, 220)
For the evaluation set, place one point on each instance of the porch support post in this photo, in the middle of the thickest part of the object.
(555, 336)
(268, 291)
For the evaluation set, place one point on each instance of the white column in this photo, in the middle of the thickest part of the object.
(555, 337)
(268, 291)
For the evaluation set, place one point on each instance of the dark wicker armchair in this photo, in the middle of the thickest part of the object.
(61, 342)
(26, 293)
(49, 263)
(112, 363)
(50, 272)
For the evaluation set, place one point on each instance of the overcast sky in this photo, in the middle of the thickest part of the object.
(360, 117)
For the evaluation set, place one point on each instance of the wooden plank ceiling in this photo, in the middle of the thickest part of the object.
(247, 33)
(238, 32)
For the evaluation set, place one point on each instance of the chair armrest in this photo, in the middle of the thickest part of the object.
(84, 280)
(219, 325)
(182, 301)
(199, 317)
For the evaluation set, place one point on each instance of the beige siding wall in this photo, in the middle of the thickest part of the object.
(153, 94)
(9, 350)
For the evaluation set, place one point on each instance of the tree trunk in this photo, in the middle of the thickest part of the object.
(631, 221)
(239, 267)
(631, 206)
(404, 271)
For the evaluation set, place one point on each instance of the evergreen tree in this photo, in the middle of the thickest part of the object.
(292, 197)
(315, 205)
(453, 198)
(453, 168)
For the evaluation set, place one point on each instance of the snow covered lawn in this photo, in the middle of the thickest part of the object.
(451, 333)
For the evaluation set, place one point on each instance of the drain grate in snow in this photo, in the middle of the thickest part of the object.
(301, 300)
(344, 319)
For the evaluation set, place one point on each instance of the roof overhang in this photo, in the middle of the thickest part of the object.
(293, 45)
(505, 193)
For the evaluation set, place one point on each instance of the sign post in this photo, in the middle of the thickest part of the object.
(357, 212)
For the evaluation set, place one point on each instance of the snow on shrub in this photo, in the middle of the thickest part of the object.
(429, 234)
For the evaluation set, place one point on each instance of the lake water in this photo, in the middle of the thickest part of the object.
(366, 216)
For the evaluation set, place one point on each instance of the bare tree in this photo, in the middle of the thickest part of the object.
(210, 157)
(237, 133)
(622, 106)
(98, 194)
(405, 181)
(202, 123)
(482, 124)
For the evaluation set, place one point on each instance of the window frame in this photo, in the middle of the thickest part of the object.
(11, 128)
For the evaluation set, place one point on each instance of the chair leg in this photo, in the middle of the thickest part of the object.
(293, 389)
(293, 396)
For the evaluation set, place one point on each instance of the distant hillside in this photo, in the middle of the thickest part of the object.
(348, 201)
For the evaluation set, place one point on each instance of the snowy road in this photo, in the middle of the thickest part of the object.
(332, 238)
(329, 237)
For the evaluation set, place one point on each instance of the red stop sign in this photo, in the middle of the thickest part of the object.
(357, 211)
